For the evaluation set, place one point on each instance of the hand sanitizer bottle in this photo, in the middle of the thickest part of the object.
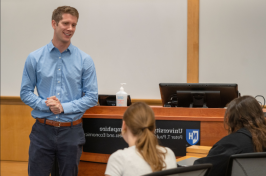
(121, 97)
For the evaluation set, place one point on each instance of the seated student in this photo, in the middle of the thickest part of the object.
(247, 133)
(143, 155)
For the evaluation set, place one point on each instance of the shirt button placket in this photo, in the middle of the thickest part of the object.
(58, 80)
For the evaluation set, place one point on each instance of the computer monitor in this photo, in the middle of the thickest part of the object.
(211, 95)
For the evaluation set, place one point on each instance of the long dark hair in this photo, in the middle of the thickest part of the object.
(140, 119)
(245, 112)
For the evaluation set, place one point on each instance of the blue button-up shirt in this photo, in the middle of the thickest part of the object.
(70, 76)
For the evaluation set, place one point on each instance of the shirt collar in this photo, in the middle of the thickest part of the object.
(51, 47)
(70, 48)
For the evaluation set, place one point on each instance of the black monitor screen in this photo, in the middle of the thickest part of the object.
(211, 95)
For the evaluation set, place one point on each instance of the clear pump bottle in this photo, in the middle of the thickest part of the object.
(121, 97)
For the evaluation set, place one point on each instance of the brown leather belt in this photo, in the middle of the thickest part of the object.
(59, 124)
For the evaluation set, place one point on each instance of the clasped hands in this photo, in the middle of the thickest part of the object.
(54, 104)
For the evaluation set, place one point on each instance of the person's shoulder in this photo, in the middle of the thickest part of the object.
(239, 140)
(170, 152)
(243, 131)
(163, 149)
(121, 153)
(235, 137)
(83, 55)
(124, 151)
(117, 153)
(36, 54)
(166, 150)
(128, 150)
(85, 58)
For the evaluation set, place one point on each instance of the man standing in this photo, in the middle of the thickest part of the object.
(66, 83)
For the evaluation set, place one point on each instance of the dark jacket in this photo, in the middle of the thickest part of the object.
(235, 143)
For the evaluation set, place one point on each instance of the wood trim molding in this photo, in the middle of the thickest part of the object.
(13, 100)
(193, 41)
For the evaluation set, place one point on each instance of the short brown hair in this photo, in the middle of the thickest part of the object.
(57, 13)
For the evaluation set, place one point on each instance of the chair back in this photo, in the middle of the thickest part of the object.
(247, 164)
(195, 170)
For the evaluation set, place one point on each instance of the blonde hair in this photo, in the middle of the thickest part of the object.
(140, 119)
(57, 13)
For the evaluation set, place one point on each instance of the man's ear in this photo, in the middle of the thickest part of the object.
(53, 24)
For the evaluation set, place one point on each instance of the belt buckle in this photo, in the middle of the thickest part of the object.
(58, 124)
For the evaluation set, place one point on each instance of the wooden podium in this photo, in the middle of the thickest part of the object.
(211, 129)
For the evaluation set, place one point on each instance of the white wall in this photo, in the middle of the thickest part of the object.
(233, 44)
(140, 42)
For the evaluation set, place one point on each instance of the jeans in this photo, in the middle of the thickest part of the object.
(48, 142)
